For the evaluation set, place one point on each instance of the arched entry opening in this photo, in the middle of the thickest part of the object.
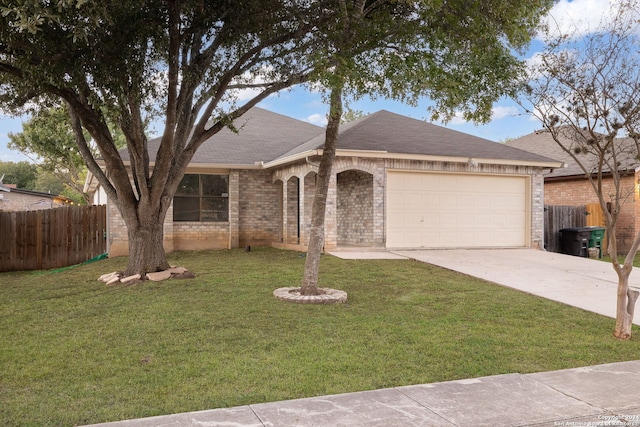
(355, 219)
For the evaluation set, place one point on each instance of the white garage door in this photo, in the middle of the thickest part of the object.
(440, 210)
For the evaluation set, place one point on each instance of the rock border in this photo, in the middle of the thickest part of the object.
(117, 277)
(327, 296)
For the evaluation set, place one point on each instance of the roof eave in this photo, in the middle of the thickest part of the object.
(378, 154)
(256, 165)
(90, 183)
(290, 159)
(455, 159)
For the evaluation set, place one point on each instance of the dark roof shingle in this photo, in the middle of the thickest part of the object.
(541, 142)
(394, 133)
(265, 137)
(262, 136)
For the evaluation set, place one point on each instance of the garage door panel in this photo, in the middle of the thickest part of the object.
(446, 210)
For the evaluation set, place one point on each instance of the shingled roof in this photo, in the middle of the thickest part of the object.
(541, 142)
(262, 137)
(265, 138)
(396, 134)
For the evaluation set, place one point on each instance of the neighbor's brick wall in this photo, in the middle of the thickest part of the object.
(13, 201)
(578, 192)
(355, 208)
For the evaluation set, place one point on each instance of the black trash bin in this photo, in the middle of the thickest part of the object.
(575, 241)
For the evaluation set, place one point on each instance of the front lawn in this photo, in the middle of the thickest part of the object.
(74, 351)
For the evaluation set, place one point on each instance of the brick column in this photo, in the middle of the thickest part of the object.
(331, 216)
(537, 210)
(302, 219)
(285, 221)
(234, 209)
(379, 186)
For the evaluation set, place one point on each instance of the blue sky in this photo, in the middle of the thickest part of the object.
(508, 119)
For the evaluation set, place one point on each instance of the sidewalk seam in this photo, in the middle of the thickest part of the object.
(420, 404)
(257, 416)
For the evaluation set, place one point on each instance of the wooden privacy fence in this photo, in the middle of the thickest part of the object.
(558, 217)
(52, 238)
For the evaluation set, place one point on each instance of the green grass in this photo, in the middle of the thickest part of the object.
(74, 351)
(636, 260)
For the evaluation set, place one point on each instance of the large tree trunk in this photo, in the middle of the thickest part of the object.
(146, 250)
(145, 229)
(316, 238)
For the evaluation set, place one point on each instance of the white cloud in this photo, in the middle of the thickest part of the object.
(317, 119)
(457, 119)
(497, 113)
(579, 17)
(500, 112)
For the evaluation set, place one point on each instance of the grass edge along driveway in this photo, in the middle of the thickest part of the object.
(74, 351)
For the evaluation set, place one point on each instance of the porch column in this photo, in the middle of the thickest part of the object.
(331, 216)
(379, 186)
(301, 217)
(284, 211)
(234, 209)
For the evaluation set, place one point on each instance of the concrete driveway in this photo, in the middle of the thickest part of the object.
(581, 282)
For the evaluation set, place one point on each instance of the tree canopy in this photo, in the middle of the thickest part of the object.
(184, 61)
(23, 174)
(48, 139)
(586, 93)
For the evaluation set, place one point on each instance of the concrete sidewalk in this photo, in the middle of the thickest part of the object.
(603, 395)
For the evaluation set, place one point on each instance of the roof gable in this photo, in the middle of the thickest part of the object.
(264, 137)
(384, 131)
(541, 142)
(261, 137)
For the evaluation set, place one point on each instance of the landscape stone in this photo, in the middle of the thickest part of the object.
(108, 276)
(158, 276)
(113, 280)
(130, 278)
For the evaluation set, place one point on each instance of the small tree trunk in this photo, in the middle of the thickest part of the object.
(626, 298)
(625, 307)
(316, 237)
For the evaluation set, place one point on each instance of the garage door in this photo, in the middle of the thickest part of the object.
(438, 210)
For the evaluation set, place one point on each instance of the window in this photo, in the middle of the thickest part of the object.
(202, 198)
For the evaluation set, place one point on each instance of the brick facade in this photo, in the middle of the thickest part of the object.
(578, 192)
(265, 206)
(355, 208)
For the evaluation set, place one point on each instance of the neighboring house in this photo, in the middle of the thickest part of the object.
(396, 182)
(569, 186)
(17, 199)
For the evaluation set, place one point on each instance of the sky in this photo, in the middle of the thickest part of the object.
(508, 120)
